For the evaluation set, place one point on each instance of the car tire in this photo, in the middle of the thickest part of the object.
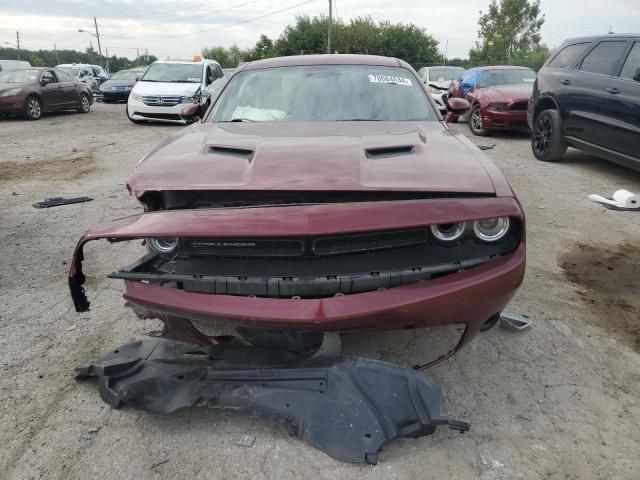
(475, 122)
(85, 103)
(131, 119)
(33, 108)
(546, 137)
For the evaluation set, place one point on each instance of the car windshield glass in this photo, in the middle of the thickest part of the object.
(174, 73)
(323, 93)
(125, 75)
(19, 76)
(73, 71)
(507, 77)
(443, 74)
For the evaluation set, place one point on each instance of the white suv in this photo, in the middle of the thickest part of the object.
(167, 85)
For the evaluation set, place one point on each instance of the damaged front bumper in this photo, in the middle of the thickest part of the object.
(347, 407)
(428, 286)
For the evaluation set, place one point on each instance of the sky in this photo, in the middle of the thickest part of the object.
(181, 28)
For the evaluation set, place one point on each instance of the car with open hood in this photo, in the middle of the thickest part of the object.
(498, 95)
(30, 92)
(167, 85)
(283, 208)
(438, 79)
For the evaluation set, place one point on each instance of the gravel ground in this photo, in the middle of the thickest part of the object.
(559, 401)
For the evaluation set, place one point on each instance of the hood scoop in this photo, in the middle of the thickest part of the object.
(243, 153)
(386, 152)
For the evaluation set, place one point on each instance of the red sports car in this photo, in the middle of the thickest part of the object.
(498, 96)
(319, 193)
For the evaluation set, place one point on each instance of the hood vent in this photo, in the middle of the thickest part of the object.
(232, 152)
(386, 152)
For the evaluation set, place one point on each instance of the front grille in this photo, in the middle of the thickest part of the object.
(519, 107)
(161, 101)
(315, 267)
(159, 116)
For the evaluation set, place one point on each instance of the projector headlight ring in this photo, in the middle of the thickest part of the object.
(491, 229)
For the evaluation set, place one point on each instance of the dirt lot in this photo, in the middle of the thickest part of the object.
(557, 402)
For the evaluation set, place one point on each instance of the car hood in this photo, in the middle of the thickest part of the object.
(7, 86)
(352, 156)
(506, 93)
(118, 83)
(166, 88)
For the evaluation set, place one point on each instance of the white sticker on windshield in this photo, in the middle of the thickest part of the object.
(390, 79)
(529, 80)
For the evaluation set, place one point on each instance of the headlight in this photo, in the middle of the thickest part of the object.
(12, 92)
(491, 229)
(128, 88)
(101, 88)
(188, 99)
(497, 107)
(448, 232)
(163, 245)
(137, 97)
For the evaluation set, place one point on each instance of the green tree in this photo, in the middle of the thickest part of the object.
(509, 29)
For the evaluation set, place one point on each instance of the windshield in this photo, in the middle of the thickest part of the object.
(507, 77)
(125, 75)
(73, 71)
(443, 74)
(174, 73)
(19, 76)
(323, 93)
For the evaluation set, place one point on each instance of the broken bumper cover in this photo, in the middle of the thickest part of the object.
(471, 295)
(347, 407)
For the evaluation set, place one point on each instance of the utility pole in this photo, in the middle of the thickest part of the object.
(446, 49)
(95, 23)
(138, 56)
(56, 50)
(146, 56)
(18, 43)
(107, 52)
(330, 20)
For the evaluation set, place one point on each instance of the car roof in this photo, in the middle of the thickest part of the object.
(325, 59)
(204, 61)
(593, 38)
(500, 67)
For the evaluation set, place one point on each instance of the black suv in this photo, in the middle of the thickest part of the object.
(587, 96)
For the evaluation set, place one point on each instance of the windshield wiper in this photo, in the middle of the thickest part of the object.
(241, 120)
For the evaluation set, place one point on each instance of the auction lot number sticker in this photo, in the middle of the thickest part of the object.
(390, 79)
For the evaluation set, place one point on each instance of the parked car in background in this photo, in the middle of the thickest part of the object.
(498, 95)
(438, 80)
(167, 85)
(32, 91)
(13, 64)
(287, 209)
(587, 96)
(83, 73)
(119, 86)
(100, 72)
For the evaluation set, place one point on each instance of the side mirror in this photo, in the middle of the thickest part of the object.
(455, 108)
(138, 78)
(636, 76)
(189, 112)
(45, 81)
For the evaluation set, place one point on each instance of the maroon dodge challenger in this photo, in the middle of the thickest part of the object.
(318, 194)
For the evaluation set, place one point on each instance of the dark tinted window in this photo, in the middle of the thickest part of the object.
(568, 55)
(604, 58)
(632, 64)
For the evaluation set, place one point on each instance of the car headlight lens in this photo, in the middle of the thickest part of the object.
(128, 88)
(498, 107)
(188, 99)
(137, 97)
(491, 229)
(448, 232)
(12, 92)
(164, 245)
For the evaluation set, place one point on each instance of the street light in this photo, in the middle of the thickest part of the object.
(97, 35)
(87, 31)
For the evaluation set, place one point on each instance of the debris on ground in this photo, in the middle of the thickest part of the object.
(515, 323)
(621, 200)
(246, 440)
(486, 147)
(58, 201)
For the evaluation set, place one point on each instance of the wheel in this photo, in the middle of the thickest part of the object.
(475, 122)
(132, 119)
(546, 138)
(33, 108)
(85, 103)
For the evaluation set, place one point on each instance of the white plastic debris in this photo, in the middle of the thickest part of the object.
(622, 199)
